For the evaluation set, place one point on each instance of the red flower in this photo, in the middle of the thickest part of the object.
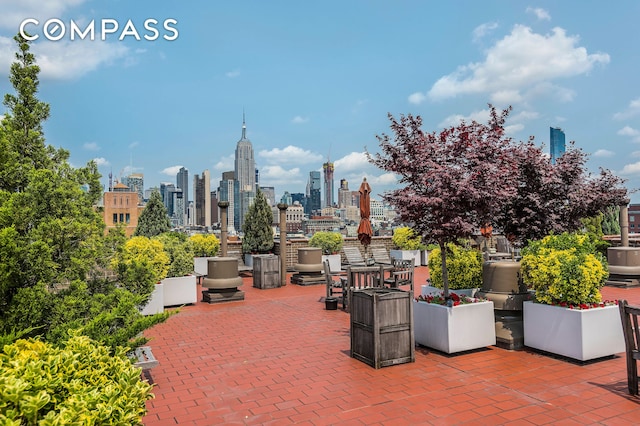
(455, 298)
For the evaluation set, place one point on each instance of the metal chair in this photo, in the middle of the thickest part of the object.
(629, 316)
(401, 274)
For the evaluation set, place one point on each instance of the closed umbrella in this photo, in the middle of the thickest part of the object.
(364, 229)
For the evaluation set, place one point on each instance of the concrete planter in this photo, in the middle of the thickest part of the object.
(200, 265)
(424, 257)
(180, 290)
(407, 255)
(579, 334)
(456, 329)
(155, 305)
(335, 264)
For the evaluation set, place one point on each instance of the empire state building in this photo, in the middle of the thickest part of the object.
(245, 174)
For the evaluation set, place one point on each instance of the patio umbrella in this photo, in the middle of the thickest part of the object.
(364, 229)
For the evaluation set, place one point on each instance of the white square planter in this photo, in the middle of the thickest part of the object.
(427, 290)
(180, 290)
(155, 305)
(201, 265)
(456, 329)
(406, 255)
(581, 334)
(334, 262)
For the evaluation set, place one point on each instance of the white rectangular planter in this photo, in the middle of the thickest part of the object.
(334, 262)
(424, 258)
(180, 290)
(406, 255)
(155, 305)
(201, 265)
(581, 334)
(427, 290)
(456, 329)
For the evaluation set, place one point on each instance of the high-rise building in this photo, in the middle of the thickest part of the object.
(245, 174)
(313, 193)
(556, 142)
(344, 195)
(270, 194)
(135, 182)
(202, 198)
(182, 182)
(328, 183)
(166, 192)
(228, 191)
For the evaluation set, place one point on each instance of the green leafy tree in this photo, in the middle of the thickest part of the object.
(180, 251)
(611, 221)
(154, 219)
(258, 232)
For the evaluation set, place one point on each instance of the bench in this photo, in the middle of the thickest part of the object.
(143, 358)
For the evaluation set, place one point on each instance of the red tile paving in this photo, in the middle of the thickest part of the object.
(279, 357)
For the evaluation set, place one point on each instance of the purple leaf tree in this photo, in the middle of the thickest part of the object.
(453, 181)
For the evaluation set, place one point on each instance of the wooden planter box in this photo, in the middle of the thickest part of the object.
(266, 271)
(382, 327)
(581, 334)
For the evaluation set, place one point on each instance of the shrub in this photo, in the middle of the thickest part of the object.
(464, 267)
(205, 245)
(564, 269)
(404, 238)
(140, 264)
(329, 242)
(79, 383)
(180, 251)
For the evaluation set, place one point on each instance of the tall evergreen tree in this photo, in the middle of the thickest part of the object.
(154, 219)
(611, 221)
(257, 226)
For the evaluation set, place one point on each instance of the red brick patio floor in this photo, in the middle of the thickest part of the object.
(279, 357)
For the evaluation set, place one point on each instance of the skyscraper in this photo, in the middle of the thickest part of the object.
(557, 144)
(202, 198)
(313, 193)
(245, 174)
(328, 183)
(228, 191)
(135, 182)
(344, 195)
(182, 182)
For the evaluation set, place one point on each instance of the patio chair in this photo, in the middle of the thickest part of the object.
(381, 255)
(333, 286)
(629, 316)
(359, 278)
(354, 257)
(401, 274)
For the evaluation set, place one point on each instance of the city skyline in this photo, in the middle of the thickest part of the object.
(317, 80)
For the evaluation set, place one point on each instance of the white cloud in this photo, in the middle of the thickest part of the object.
(101, 161)
(289, 155)
(277, 175)
(481, 116)
(541, 14)
(171, 171)
(631, 169)
(604, 153)
(91, 146)
(417, 98)
(299, 120)
(134, 144)
(14, 12)
(513, 129)
(225, 164)
(519, 61)
(233, 74)
(632, 110)
(481, 30)
(634, 134)
(354, 161)
(635, 154)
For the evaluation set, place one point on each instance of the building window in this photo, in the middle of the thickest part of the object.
(115, 218)
(126, 201)
(121, 217)
(127, 217)
(632, 218)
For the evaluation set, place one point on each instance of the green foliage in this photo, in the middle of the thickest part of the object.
(141, 264)
(257, 226)
(611, 221)
(79, 383)
(154, 219)
(180, 251)
(329, 242)
(205, 245)
(405, 238)
(564, 268)
(464, 267)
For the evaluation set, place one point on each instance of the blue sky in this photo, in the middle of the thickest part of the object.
(317, 79)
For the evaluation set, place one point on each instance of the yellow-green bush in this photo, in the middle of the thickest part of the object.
(464, 267)
(564, 268)
(405, 238)
(329, 242)
(81, 383)
(205, 245)
(141, 263)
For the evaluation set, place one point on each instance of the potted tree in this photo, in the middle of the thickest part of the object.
(258, 228)
(568, 316)
(408, 245)
(205, 246)
(180, 286)
(463, 177)
(331, 243)
(464, 268)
